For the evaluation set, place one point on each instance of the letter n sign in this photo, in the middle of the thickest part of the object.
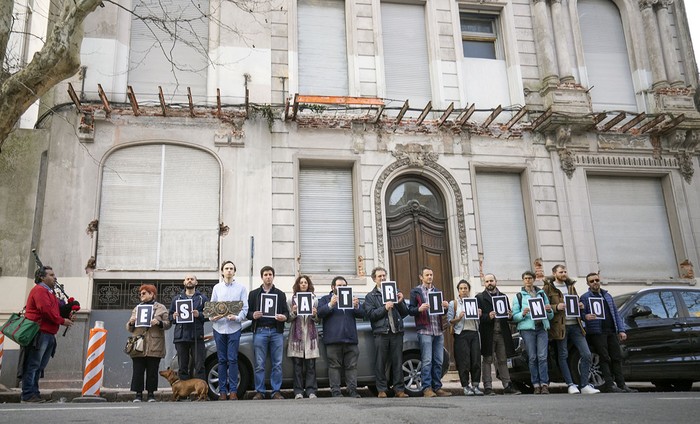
(597, 307)
(537, 310)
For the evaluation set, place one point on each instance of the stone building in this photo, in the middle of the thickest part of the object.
(327, 137)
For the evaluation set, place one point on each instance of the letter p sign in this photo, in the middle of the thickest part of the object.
(268, 305)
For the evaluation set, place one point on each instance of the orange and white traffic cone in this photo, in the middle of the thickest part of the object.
(2, 350)
(94, 364)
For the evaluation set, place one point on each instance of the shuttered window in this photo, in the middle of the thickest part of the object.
(631, 228)
(169, 49)
(406, 62)
(323, 58)
(326, 221)
(159, 209)
(605, 55)
(502, 224)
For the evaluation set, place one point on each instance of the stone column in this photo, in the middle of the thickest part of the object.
(560, 38)
(651, 35)
(671, 58)
(545, 45)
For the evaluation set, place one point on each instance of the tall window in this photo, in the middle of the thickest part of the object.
(406, 61)
(502, 224)
(326, 221)
(323, 57)
(159, 209)
(169, 48)
(478, 35)
(631, 227)
(605, 55)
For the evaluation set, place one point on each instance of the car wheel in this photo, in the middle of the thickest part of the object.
(595, 377)
(411, 373)
(212, 370)
(673, 385)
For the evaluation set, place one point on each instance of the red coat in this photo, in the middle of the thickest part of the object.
(42, 307)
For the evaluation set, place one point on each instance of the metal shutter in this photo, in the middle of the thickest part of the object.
(326, 221)
(406, 62)
(323, 58)
(630, 224)
(159, 209)
(148, 65)
(606, 57)
(502, 224)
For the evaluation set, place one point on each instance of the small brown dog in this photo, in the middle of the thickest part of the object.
(184, 388)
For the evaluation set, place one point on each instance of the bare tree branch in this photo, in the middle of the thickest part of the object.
(5, 29)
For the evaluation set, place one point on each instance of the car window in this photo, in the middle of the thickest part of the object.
(692, 302)
(661, 303)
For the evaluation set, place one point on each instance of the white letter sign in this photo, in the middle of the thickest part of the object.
(435, 302)
(597, 307)
(471, 308)
(572, 306)
(304, 303)
(268, 305)
(345, 297)
(389, 293)
(537, 310)
(144, 315)
(184, 311)
(500, 306)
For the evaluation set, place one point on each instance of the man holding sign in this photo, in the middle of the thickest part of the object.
(267, 308)
(532, 312)
(496, 339)
(186, 311)
(385, 309)
(604, 335)
(430, 336)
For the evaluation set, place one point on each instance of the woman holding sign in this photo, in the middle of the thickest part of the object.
(149, 320)
(303, 337)
(532, 312)
(463, 314)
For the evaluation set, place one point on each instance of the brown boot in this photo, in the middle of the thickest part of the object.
(381, 395)
(233, 396)
(429, 393)
(222, 396)
(401, 395)
(443, 393)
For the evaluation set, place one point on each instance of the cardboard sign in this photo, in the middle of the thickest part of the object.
(597, 307)
(435, 302)
(184, 308)
(537, 310)
(268, 304)
(144, 315)
(500, 306)
(471, 308)
(345, 297)
(389, 292)
(305, 302)
(571, 305)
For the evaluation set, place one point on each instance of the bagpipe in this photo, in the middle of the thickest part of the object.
(67, 305)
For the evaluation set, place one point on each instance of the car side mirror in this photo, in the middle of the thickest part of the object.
(640, 311)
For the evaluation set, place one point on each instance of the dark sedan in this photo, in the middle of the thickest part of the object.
(662, 346)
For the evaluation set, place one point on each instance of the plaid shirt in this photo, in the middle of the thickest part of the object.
(435, 328)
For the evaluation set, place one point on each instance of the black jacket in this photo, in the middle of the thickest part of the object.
(254, 305)
(487, 325)
(377, 314)
(187, 332)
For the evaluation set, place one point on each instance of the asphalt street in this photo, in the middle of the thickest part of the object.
(556, 408)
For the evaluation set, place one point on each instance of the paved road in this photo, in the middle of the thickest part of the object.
(619, 408)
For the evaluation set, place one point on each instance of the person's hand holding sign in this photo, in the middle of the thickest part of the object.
(423, 307)
(257, 314)
(560, 306)
(355, 302)
(334, 301)
(400, 297)
(280, 317)
(526, 311)
(154, 322)
(389, 306)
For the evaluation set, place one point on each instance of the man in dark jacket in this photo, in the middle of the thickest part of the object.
(496, 339)
(268, 334)
(189, 337)
(340, 338)
(603, 335)
(387, 327)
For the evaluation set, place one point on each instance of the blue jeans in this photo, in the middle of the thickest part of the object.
(38, 355)
(268, 340)
(227, 353)
(573, 333)
(431, 357)
(536, 344)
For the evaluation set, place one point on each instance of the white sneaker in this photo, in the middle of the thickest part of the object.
(312, 396)
(476, 391)
(573, 390)
(468, 391)
(589, 390)
(298, 396)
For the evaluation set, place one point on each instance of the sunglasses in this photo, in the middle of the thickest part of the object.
(594, 281)
(144, 292)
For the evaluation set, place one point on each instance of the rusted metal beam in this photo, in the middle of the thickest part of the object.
(540, 119)
(651, 124)
(425, 112)
(191, 103)
(74, 97)
(132, 99)
(218, 103)
(611, 123)
(493, 116)
(446, 114)
(599, 118)
(103, 97)
(518, 116)
(295, 107)
(632, 122)
(673, 123)
(379, 114)
(286, 109)
(402, 112)
(465, 115)
(162, 100)
(340, 100)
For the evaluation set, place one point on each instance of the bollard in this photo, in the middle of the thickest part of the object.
(94, 365)
(2, 350)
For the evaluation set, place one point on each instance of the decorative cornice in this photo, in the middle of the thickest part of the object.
(685, 164)
(417, 154)
(645, 4)
(567, 160)
(636, 162)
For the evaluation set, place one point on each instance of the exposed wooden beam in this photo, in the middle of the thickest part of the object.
(673, 123)
(446, 114)
(541, 119)
(632, 122)
(651, 124)
(380, 111)
(162, 100)
(465, 115)
(218, 103)
(518, 116)
(295, 108)
(611, 123)
(403, 111)
(599, 118)
(132, 99)
(74, 97)
(425, 112)
(103, 97)
(191, 103)
(493, 116)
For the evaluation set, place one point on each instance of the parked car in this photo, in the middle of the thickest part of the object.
(662, 346)
(365, 364)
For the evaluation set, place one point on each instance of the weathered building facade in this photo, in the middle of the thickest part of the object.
(327, 137)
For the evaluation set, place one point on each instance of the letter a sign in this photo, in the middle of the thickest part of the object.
(268, 305)
(597, 308)
(304, 303)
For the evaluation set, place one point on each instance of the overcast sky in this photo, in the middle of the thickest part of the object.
(692, 8)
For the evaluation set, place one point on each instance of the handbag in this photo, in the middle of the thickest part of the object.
(20, 329)
(133, 344)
